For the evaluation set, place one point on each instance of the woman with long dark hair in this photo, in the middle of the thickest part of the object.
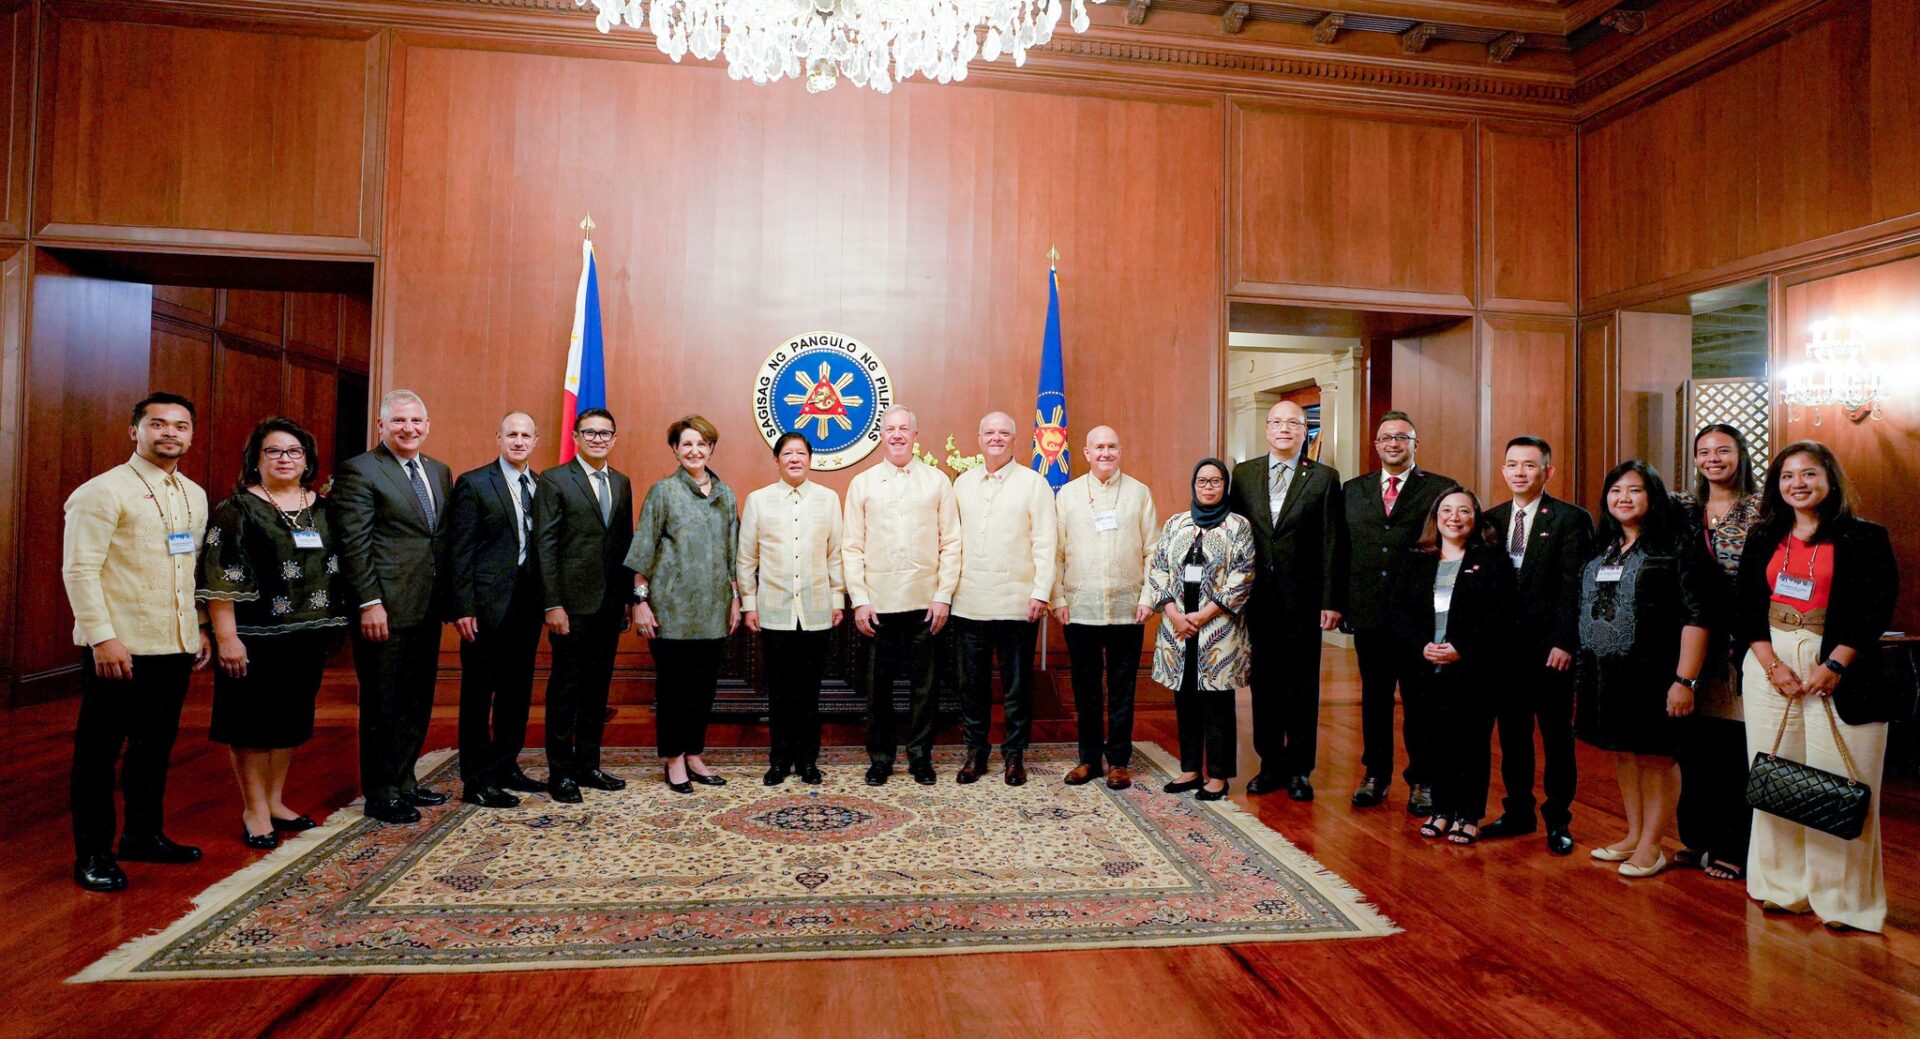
(1816, 587)
(1452, 601)
(1645, 601)
(270, 577)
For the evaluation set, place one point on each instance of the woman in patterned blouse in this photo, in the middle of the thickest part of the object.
(269, 577)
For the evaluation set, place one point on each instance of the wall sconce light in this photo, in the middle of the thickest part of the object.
(1836, 371)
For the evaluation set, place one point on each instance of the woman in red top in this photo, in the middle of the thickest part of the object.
(1815, 590)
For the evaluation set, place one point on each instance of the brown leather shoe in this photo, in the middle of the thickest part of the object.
(975, 767)
(1082, 774)
(1118, 778)
(1016, 770)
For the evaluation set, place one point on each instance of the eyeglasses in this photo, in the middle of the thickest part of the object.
(1394, 438)
(1286, 423)
(595, 435)
(1209, 482)
(291, 454)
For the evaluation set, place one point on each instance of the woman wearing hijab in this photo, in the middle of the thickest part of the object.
(1201, 575)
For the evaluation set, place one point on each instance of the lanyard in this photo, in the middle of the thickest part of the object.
(155, 499)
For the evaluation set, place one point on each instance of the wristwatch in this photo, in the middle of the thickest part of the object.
(1834, 666)
(1690, 683)
(640, 592)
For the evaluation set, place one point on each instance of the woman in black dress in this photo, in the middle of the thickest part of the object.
(1645, 603)
(270, 577)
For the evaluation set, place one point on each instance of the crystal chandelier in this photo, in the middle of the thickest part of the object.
(1836, 371)
(874, 43)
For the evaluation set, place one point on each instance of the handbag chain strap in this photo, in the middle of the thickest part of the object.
(1827, 702)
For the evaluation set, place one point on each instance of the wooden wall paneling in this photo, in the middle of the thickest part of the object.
(356, 333)
(182, 362)
(246, 389)
(197, 131)
(1436, 381)
(1354, 208)
(1655, 358)
(13, 316)
(1529, 383)
(310, 400)
(88, 346)
(313, 325)
(16, 162)
(194, 306)
(1528, 251)
(1598, 416)
(256, 315)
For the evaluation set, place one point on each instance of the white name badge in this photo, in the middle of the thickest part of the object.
(1609, 574)
(1105, 521)
(180, 544)
(1800, 588)
(1194, 573)
(307, 539)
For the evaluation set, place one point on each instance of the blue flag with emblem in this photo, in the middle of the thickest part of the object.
(1050, 456)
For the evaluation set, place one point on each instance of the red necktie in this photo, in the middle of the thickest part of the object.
(1392, 493)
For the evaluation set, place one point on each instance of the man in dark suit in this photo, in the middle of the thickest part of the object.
(1385, 510)
(1299, 535)
(498, 609)
(389, 507)
(1549, 542)
(583, 527)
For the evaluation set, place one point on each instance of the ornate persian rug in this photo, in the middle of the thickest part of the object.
(746, 872)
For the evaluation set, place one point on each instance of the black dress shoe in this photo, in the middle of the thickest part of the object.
(1506, 826)
(564, 791)
(489, 797)
(1264, 783)
(705, 778)
(877, 774)
(1372, 791)
(297, 824)
(423, 797)
(922, 772)
(1559, 840)
(600, 779)
(1203, 794)
(1300, 788)
(263, 841)
(526, 784)
(682, 787)
(1015, 771)
(1420, 801)
(775, 776)
(810, 774)
(973, 768)
(156, 847)
(1178, 786)
(98, 873)
(392, 810)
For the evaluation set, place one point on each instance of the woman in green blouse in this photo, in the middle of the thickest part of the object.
(682, 557)
(270, 576)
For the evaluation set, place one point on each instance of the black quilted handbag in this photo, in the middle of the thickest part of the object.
(1812, 797)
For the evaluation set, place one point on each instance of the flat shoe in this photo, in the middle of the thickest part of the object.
(1609, 855)
(297, 824)
(1628, 869)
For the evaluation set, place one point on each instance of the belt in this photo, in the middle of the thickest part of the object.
(1786, 618)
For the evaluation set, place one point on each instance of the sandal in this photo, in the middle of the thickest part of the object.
(1719, 870)
(1460, 836)
(1435, 826)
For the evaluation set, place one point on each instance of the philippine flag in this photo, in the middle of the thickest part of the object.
(586, 385)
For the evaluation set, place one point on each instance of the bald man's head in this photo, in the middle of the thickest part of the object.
(1286, 429)
(1103, 451)
(996, 439)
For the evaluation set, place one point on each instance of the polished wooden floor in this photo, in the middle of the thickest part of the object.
(1501, 939)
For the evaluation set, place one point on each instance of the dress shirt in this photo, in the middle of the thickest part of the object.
(1531, 511)
(901, 540)
(1100, 572)
(1011, 530)
(519, 507)
(788, 567)
(121, 581)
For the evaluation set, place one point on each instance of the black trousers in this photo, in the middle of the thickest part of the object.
(496, 688)
(795, 661)
(1538, 693)
(1208, 742)
(687, 672)
(140, 714)
(1459, 711)
(1285, 690)
(1110, 652)
(1714, 815)
(901, 644)
(1384, 665)
(981, 643)
(396, 703)
(577, 690)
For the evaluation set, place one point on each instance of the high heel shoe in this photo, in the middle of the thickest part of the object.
(1213, 795)
(706, 778)
(678, 788)
(297, 824)
(264, 842)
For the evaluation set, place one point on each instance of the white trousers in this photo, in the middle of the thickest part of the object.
(1788, 864)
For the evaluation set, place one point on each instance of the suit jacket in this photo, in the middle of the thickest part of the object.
(483, 535)
(1479, 615)
(1558, 547)
(1298, 569)
(1866, 582)
(390, 551)
(1378, 544)
(583, 560)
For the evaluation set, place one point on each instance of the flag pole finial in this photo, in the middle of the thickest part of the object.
(1053, 257)
(588, 225)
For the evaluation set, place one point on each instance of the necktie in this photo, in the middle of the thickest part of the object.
(606, 500)
(526, 514)
(1392, 493)
(420, 490)
(1517, 545)
(1277, 490)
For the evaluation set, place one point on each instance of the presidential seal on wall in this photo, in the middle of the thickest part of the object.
(827, 387)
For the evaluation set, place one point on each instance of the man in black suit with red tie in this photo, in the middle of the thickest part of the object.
(498, 610)
(389, 510)
(1385, 510)
(1299, 543)
(583, 527)
(1549, 541)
